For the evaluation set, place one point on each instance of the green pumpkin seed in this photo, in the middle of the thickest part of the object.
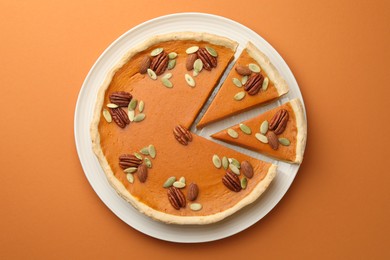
(216, 161)
(232, 133)
(264, 86)
(192, 49)
(151, 74)
(166, 83)
(148, 162)
(107, 115)
(183, 180)
(130, 177)
(132, 104)
(141, 106)
(234, 169)
(145, 150)
(239, 96)
(244, 183)
(179, 184)
(211, 51)
(172, 55)
(171, 64)
(235, 162)
(110, 105)
(225, 162)
(244, 80)
(190, 81)
(139, 117)
(264, 127)
(262, 138)
(130, 170)
(237, 82)
(195, 206)
(138, 156)
(195, 73)
(131, 114)
(284, 141)
(254, 68)
(168, 183)
(198, 65)
(167, 76)
(245, 129)
(152, 151)
(156, 52)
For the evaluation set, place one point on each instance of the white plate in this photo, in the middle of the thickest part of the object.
(95, 175)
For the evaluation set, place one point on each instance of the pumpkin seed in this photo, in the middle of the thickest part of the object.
(264, 86)
(167, 76)
(138, 155)
(151, 74)
(148, 162)
(192, 49)
(237, 82)
(130, 170)
(145, 150)
(244, 183)
(132, 104)
(179, 184)
(172, 55)
(110, 105)
(234, 169)
(284, 141)
(264, 127)
(168, 183)
(166, 83)
(107, 115)
(198, 65)
(254, 68)
(195, 206)
(211, 51)
(190, 80)
(182, 179)
(262, 138)
(225, 162)
(156, 52)
(244, 80)
(152, 151)
(195, 73)
(141, 106)
(216, 161)
(131, 114)
(240, 95)
(130, 177)
(171, 64)
(235, 162)
(232, 133)
(139, 117)
(245, 129)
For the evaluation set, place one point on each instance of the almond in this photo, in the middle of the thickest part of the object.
(193, 191)
(272, 140)
(142, 173)
(144, 64)
(191, 58)
(243, 70)
(247, 169)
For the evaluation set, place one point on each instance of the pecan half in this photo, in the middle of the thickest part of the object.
(142, 173)
(121, 98)
(144, 64)
(247, 169)
(159, 63)
(182, 134)
(176, 198)
(209, 61)
(279, 121)
(129, 160)
(243, 70)
(191, 58)
(253, 85)
(231, 181)
(120, 117)
(272, 140)
(193, 192)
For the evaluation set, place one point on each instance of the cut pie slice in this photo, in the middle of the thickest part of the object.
(253, 81)
(279, 133)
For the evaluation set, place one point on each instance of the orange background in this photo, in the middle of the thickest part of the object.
(337, 207)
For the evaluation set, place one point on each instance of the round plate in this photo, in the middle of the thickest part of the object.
(94, 173)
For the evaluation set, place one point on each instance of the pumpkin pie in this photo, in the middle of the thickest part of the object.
(279, 132)
(140, 133)
(252, 82)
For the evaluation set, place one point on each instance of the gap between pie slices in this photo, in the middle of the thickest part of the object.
(171, 100)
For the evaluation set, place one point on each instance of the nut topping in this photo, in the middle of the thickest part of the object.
(254, 83)
(121, 98)
(279, 121)
(182, 134)
(272, 140)
(231, 181)
(193, 192)
(243, 70)
(247, 169)
(142, 173)
(159, 63)
(176, 198)
(191, 58)
(144, 64)
(129, 160)
(209, 61)
(120, 117)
